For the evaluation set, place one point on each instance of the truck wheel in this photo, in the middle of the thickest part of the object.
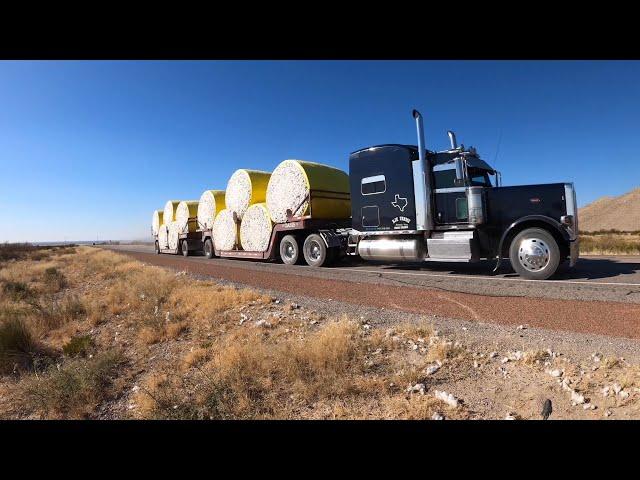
(208, 248)
(534, 254)
(315, 250)
(185, 248)
(290, 250)
(157, 248)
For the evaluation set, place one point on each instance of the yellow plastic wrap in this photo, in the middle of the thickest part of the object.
(186, 216)
(170, 211)
(156, 221)
(245, 188)
(211, 202)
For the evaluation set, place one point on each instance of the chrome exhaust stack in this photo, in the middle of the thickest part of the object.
(452, 139)
(422, 181)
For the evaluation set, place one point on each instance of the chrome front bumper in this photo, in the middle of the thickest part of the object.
(574, 251)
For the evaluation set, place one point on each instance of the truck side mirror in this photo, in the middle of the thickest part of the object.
(459, 181)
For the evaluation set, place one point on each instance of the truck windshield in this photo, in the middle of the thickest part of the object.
(479, 178)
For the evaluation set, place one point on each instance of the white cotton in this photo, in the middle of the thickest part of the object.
(225, 231)
(156, 221)
(256, 228)
(245, 187)
(211, 202)
(163, 237)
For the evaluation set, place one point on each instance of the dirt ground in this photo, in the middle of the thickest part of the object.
(107, 337)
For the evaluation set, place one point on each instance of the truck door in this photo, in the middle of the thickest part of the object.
(450, 201)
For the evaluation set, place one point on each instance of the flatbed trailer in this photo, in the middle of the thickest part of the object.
(188, 242)
(318, 242)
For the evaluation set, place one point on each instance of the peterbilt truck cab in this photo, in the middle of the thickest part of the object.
(410, 204)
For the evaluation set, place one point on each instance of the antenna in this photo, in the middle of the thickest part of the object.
(498, 147)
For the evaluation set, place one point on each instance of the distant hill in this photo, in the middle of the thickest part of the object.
(607, 213)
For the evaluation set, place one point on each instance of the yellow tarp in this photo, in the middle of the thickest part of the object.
(170, 211)
(192, 206)
(329, 187)
(156, 221)
(259, 182)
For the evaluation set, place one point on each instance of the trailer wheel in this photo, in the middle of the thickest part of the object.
(315, 250)
(290, 250)
(185, 248)
(534, 254)
(208, 248)
(157, 248)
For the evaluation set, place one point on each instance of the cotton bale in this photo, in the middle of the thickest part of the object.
(246, 187)
(256, 228)
(187, 209)
(308, 188)
(157, 221)
(163, 237)
(211, 202)
(225, 230)
(170, 211)
(174, 231)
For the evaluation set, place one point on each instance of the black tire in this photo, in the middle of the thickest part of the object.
(157, 248)
(208, 248)
(315, 250)
(534, 254)
(290, 250)
(185, 248)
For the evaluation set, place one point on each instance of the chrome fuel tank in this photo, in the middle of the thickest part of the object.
(407, 249)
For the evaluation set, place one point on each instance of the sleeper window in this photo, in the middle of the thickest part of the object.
(373, 185)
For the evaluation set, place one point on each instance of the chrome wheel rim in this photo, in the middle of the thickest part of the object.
(289, 251)
(314, 251)
(534, 254)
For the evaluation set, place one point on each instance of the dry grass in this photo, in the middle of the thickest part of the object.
(227, 371)
(610, 244)
(73, 389)
(196, 357)
(336, 371)
(80, 345)
(93, 334)
(20, 351)
(16, 291)
(205, 300)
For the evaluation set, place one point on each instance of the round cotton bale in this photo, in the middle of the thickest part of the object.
(174, 231)
(256, 228)
(157, 221)
(293, 181)
(225, 231)
(187, 209)
(246, 187)
(170, 211)
(211, 202)
(163, 237)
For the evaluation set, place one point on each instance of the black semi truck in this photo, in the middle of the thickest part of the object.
(409, 204)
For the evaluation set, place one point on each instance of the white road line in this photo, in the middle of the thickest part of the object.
(454, 276)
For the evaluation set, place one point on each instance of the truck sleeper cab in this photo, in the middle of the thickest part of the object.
(442, 206)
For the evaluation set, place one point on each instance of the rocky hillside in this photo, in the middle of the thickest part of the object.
(607, 213)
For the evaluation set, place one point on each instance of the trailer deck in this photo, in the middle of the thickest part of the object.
(293, 226)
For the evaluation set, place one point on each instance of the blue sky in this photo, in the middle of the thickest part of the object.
(89, 149)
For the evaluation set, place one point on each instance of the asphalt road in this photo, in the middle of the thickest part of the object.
(615, 278)
(601, 296)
